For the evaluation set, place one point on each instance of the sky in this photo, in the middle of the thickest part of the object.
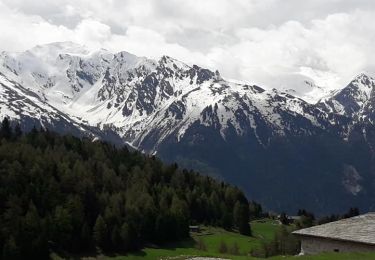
(271, 43)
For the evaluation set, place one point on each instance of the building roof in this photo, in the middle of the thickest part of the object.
(360, 229)
(294, 217)
(193, 226)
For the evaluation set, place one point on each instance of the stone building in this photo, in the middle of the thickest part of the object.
(356, 234)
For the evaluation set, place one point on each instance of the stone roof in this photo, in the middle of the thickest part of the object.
(360, 229)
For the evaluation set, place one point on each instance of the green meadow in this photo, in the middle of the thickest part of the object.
(209, 241)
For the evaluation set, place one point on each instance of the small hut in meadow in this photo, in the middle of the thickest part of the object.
(194, 229)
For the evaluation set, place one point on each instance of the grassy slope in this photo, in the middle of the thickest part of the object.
(330, 256)
(212, 238)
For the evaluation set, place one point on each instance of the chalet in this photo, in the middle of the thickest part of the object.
(356, 234)
(291, 219)
(194, 229)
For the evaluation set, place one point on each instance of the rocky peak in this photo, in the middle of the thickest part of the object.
(351, 100)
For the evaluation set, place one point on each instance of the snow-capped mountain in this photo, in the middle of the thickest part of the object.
(139, 97)
(184, 113)
(354, 99)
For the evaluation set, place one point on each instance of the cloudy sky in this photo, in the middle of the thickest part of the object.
(273, 43)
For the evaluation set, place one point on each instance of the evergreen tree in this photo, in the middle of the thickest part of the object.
(306, 219)
(180, 212)
(5, 130)
(62, 227)
(17, 131)
(255, 210)
(11, 250)
(115, 238)
(61, 193)
(352, 212)
(241, 218)
(32, 240)
(100, 232)
(284, 219)
(85, 238)
(128, 237)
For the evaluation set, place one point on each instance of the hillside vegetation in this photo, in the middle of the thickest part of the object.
(68, 195)
(211, 241)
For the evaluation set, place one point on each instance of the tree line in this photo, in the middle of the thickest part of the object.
(70, 195)
(284, 242)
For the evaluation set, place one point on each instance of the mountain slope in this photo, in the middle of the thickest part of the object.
(30, 110)
(140, 97)
(192, 115)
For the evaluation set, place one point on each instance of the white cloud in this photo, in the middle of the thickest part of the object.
(92, 32)
(268, 42)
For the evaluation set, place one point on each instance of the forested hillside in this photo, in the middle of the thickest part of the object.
(265, 141)
(65, 194)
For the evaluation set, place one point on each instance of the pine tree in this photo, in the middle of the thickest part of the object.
(180, 212)
(352, 212)
(116, 238)
(241, 218)
(85, 240)
(62, 227)
(17, 131)
(33, 240)
(10, 249)
(128, 237)
(255, 210)
(5, 130)
(284, 219)
(100, 232)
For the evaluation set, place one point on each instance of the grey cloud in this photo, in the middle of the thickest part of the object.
(268, 42)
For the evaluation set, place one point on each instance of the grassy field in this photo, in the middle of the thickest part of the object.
(212, 237)
(329, 256)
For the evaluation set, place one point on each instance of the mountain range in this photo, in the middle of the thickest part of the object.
(283, 151)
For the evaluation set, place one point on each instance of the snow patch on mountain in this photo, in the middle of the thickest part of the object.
(149, 101)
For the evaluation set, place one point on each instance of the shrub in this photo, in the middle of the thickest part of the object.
(223, 248)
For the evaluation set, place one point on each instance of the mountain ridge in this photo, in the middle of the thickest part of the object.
(161, 106)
